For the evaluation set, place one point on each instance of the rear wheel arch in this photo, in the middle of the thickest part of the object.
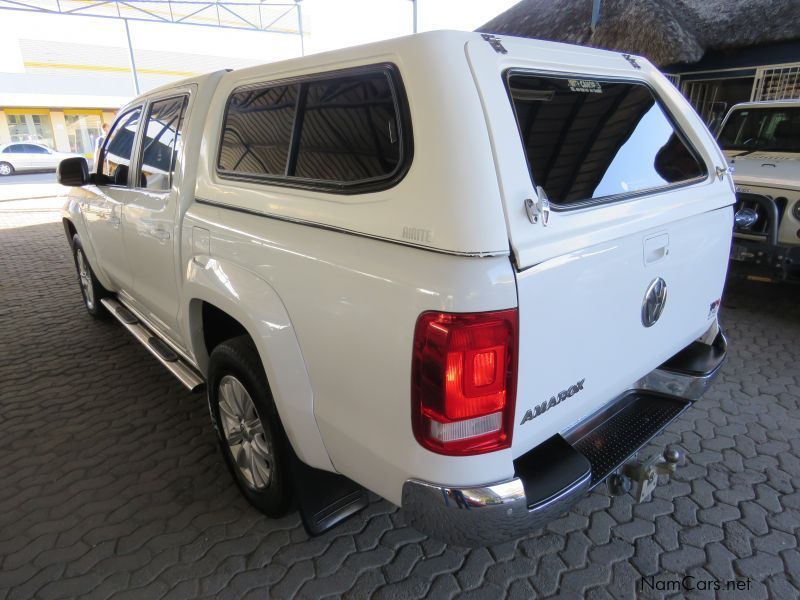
(249, 430)
(218, 326)
(214, 318)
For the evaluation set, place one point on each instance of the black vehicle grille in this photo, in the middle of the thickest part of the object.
(769, 212)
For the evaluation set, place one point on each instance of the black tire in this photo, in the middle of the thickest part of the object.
(92, 290)
(6, 169)
(237, 360)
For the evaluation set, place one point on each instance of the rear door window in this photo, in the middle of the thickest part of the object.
(590, 141)
(119, 147)
(161, 143)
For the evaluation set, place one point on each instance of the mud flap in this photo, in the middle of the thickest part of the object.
(325, 499)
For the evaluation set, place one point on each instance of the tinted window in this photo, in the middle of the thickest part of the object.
(349, 130)
(341, 133)
(258, 127)
(160, 143)
(119, 146)
(34, 149)
(15, 149)
(774, 129)
(589, 139)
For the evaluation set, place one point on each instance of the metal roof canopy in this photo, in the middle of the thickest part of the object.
(269, 17)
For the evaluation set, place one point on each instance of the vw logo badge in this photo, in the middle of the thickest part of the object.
(654, 300)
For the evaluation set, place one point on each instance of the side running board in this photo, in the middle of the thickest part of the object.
(185, 373)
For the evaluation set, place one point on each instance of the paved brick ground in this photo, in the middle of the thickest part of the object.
(110, 482)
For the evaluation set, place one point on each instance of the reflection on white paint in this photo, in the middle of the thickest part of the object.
(427, 292)
(274, 326)
(223, 278)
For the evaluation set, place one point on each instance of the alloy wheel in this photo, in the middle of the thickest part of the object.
(85, 277)
(244, 433)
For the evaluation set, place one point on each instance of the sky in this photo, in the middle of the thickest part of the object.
(329, 24)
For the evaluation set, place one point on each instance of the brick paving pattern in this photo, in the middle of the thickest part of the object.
(111, 484)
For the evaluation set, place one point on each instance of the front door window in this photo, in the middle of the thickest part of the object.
(118, 148)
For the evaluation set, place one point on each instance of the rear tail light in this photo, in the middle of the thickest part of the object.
(463, 381)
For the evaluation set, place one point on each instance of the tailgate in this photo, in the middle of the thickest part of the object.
(619, 225)
(581, 319)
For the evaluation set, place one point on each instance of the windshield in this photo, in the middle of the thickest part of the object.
(776, 129)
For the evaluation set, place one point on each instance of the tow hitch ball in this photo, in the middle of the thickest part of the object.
(640, 477)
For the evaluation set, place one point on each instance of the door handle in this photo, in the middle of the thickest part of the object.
(656, 248)
(114, 222)
(160, 234)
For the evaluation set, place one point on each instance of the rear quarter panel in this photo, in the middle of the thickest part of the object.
(353, 294)
(352, 303)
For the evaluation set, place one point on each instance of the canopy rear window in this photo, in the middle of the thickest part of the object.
(589, 140)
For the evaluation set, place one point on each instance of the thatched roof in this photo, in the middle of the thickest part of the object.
(665, 31)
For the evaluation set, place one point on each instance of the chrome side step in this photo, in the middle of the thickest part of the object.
(185, 373)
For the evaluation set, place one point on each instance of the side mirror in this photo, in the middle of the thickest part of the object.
(121, 175)
(73, 172)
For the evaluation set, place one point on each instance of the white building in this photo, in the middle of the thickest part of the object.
(62, 77)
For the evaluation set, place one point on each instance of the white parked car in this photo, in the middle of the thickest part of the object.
(762, 143)
(28, 156)
(473, 275)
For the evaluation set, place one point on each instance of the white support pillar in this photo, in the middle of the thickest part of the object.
(130, 55)
(60, 136)
(595, 14)
(300, 27)
(5, 134)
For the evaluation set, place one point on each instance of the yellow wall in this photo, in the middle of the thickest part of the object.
(27, 111)
(109, 116)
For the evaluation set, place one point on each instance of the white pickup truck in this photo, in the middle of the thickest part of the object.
(762, 143)
(474, 275)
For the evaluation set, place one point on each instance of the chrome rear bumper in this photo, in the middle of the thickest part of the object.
(485, 514)
(684, 379)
